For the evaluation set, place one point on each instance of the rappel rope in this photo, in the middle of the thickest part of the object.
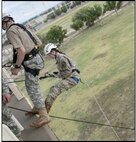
(85, 82)
(109, 124)
(76, 120)
(70, 119)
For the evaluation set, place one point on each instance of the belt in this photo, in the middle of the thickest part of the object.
(34, 72)
(30, 55)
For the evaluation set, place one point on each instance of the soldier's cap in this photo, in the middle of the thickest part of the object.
(7, 18)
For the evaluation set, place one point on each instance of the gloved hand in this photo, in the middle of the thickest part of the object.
(77, 70)
(42, 77)
(55, 72)
(51, 75)
(47, 75)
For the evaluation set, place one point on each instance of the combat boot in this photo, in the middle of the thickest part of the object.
(33, 111)
(47, 106)
(42, 120)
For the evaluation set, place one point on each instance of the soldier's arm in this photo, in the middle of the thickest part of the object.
(6, 96)
(20, 56)
(64, 63)
(17, 44)
(65, 67)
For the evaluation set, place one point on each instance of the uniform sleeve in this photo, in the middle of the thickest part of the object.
(5, 88)
(64, 64)
(14, 40)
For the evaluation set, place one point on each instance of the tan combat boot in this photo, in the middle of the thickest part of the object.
(33, 111)
(42, 120)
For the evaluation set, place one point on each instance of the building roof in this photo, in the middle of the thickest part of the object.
(43, 133)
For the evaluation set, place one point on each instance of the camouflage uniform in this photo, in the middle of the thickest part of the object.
(7, 114)
(31, 81)
(19, 38)
(70, 78)
(33, 62)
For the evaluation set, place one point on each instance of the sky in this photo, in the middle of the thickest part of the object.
(24, 10)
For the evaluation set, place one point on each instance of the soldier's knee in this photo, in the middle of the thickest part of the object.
(52, 95)
(55, 90)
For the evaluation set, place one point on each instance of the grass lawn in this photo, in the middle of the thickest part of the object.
(105, 56)
(66, 20)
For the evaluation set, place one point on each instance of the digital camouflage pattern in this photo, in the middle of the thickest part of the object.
(31, 82)
(7, 120)
(58, 89)
(65, 67)
(19, 38)
(22, 39)
(7, 114)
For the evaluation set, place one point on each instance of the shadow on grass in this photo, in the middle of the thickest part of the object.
(102, 55)
(117, 102)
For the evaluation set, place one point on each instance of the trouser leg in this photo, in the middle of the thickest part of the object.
(57, 90)
(7, 120)
(33, 90)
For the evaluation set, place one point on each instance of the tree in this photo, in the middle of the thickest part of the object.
(66, 2)
(114, 5)
(73, 4)
(105, 8)
(118, 4)
(51, 16)
(111, 5)
(81, 15)
(87, 15)
(77, 2)
(56, 35)
(63, 9)
(57, 12)
(91, 14)
(77, 25)
(98, 11)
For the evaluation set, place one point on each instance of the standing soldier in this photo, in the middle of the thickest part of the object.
(6, 112)
(66, 70)
(25, 44)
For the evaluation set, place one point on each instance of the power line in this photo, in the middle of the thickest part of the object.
(76, 120)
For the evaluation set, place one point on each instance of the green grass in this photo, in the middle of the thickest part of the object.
(105, 56)
(66, 20)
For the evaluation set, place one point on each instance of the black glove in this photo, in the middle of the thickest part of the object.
(47, 76)
(42, 77)
(51, 75)
(55, 72)
(77, 70)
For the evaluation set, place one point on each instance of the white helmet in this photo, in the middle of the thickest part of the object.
(49, 47)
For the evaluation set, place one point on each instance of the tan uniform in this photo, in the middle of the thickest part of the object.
(69, 77)
(19, 38)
